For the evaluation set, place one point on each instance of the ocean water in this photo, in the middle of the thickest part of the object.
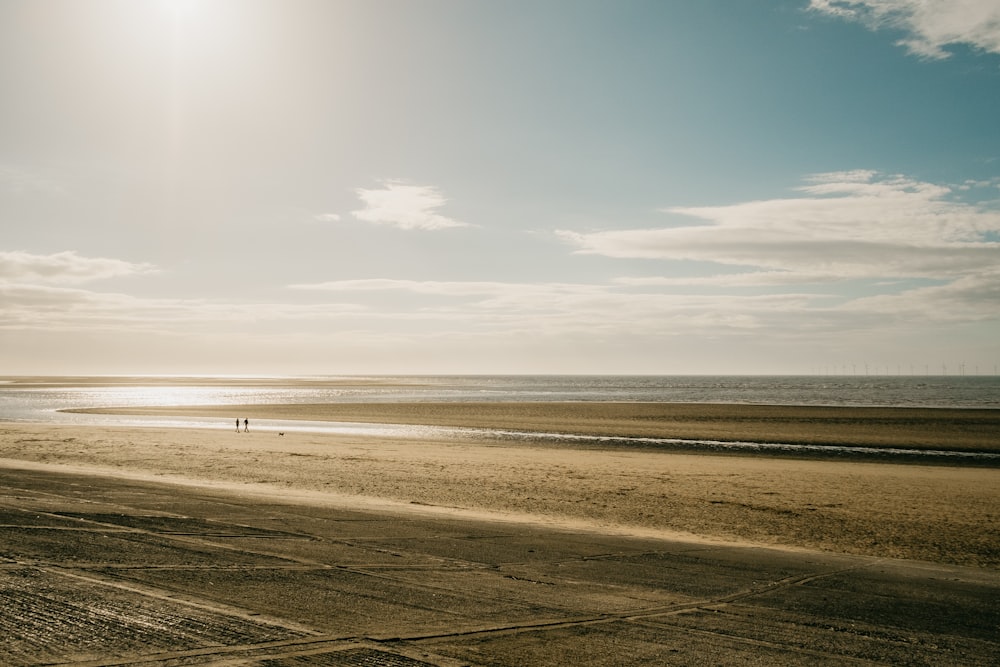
(40, 399)
(44, 401)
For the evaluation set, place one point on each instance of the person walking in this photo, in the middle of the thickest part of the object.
(237, 424)
(246, 425)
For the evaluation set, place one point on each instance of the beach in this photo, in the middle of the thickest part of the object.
(938, 513)
(162, 545)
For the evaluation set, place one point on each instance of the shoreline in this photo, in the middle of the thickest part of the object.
(943, 429)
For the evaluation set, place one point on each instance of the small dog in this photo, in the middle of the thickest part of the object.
(281, 433)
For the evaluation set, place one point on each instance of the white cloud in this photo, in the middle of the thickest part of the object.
(63, 268)
(327, 217)
(931, 25)
(405, 206)
(972, 298)
(850, 225)
(893, 255)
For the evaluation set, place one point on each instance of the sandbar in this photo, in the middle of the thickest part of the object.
(914, 428)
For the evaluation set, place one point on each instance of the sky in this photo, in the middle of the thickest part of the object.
(288, 187)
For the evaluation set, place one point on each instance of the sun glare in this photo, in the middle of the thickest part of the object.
(180, 10)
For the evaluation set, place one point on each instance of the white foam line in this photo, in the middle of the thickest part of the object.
(734, 444)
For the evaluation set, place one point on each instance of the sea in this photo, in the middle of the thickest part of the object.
(46, 399)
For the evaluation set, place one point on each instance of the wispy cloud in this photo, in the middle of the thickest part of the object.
(572, 308)
(54, 307)
(753, 279)
(850, 252)
(405, 206)
(63, 268)
(848, 225)
(327, 217)
(971, 298)
(931, 25)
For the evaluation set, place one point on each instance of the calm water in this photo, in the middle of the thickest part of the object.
(42, 403)
(19, 401)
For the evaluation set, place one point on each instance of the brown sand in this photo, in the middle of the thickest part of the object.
(935, 513)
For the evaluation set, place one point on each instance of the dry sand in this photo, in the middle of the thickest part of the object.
(934, 513)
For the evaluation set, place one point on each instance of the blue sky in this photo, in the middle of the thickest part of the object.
(441, 186)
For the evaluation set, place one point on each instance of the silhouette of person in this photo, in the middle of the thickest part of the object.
(237, 424)
(246, 425)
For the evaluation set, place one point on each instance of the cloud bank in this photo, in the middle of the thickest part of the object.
(931, 25)
(847, 258)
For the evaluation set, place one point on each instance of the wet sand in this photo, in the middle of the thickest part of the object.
(915, 428)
